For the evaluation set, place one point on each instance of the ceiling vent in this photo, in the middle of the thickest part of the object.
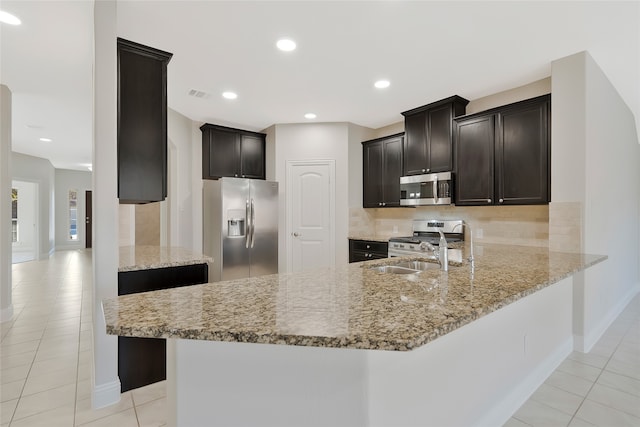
(199, 94)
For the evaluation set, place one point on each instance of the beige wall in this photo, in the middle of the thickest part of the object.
(518, 225)
(537, 88)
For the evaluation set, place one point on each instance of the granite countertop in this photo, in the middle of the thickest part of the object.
(134, 258)
(372, 237)
(351, 306)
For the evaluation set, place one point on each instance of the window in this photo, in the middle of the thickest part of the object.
(73, 214)
(14, 215)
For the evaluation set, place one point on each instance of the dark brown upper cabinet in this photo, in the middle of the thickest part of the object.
(229, 152)
(142, 123)
(382, 169)
(503, 155)
(428, 136)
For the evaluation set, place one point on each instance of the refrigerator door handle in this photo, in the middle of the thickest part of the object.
(248, 219)
(253, 223)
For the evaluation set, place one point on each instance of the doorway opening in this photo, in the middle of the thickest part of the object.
(24, 221)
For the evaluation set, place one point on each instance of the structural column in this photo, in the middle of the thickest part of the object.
(105, 382)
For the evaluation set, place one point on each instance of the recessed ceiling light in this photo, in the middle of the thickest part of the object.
(381, 84)
(310, 116)
(46, 139)
(286, 45)
(230, 95)
(8, 18)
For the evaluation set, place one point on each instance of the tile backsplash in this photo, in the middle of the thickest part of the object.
(517, 225)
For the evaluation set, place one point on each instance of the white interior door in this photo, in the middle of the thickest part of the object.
(310, 214)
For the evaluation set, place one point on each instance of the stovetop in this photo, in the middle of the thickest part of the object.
(433, 239)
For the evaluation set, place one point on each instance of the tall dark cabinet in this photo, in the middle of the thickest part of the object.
(142, 123)
(229, 152)
(428, 136)
(503, 155)
(382, 169)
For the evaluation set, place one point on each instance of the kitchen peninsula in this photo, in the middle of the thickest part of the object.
(356, 347)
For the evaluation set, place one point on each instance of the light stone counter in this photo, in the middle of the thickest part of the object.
(348, 307)
(373, 237)
(501, 330)
(133, 258)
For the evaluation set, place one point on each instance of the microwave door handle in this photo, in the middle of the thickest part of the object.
(435, 188)
(247, 217)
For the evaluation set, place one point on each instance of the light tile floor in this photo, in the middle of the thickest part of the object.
(46, 352)
(599, 388)
(46, 357)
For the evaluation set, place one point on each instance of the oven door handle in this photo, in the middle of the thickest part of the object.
(435, 188)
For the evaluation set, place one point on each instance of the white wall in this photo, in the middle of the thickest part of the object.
(196, 186)
(596, 165)
(180, 139)
(6, 306)
(66, 180)
(40, 171)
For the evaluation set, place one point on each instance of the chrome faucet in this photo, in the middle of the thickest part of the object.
(443, 252)
(471, 259)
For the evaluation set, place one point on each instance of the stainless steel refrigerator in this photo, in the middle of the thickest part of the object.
(240, 227)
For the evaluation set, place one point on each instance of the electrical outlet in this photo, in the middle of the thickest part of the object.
(479, 233)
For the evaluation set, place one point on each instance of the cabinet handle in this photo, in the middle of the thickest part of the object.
(488, 200)
(428, 170)
(379, 203)
(384, 204)
(243, 176)
(294, 234)
(424, 170)
(368, 246)
(235, 175)
(501, 200)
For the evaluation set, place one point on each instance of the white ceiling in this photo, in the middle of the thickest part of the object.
(428, 50)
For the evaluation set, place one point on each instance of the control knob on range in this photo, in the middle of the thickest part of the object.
(423, 246)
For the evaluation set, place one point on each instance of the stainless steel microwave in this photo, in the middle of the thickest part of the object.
(426, 190)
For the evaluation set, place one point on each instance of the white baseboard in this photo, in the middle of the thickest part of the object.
(585, 343)
(105, 394)
(503, 410)
(6, 313)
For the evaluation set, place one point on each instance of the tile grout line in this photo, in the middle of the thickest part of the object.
(599, 375)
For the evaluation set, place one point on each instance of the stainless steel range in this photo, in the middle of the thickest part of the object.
(426, 236)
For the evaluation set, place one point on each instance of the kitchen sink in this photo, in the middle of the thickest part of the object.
(406, 267)
(419, 265)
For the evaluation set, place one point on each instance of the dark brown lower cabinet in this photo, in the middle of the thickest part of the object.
(143, 361)
(366, 250)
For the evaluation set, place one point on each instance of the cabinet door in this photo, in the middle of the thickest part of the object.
(474, 143)
(439, 139)
(391, 171)
(252, 156)
(223, 153)
(415, 149)
(142, 124)
(522, 155)
(372, 168)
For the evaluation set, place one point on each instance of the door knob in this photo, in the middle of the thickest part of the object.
(294, 234)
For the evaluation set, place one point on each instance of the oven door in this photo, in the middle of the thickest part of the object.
(426, 190)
